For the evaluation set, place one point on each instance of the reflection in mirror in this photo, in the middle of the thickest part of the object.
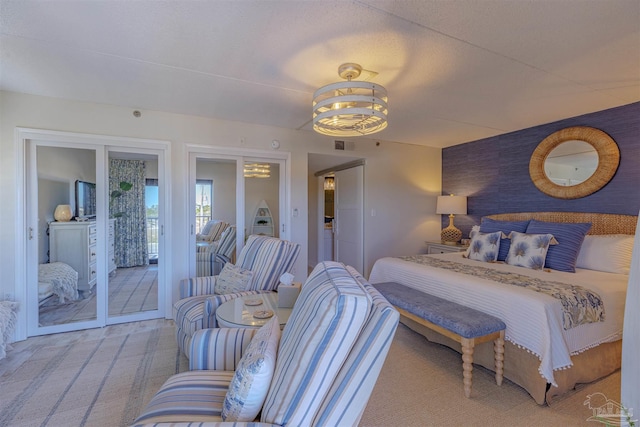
(66, 247)
(262, 199)
(606, 162)
(215, 211)
(133, 233)
(571, 163)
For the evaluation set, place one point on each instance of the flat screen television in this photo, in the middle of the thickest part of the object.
(85, 199)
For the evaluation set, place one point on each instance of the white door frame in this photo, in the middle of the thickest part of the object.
(26, 224)
(320, 175)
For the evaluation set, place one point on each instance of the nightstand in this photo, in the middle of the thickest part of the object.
(441, 248)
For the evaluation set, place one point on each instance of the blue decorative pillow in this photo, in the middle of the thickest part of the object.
(488, 225)
(484, 246)
(563, 256)
(529, 250)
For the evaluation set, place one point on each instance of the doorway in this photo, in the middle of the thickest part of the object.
(336, 184)
(82, 219)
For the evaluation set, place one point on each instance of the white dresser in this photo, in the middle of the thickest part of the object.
(74, 243)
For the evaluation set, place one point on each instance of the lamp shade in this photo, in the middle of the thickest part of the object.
(456, 205)
(62, 213)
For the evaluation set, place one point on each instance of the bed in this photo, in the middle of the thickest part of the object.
(550, 346)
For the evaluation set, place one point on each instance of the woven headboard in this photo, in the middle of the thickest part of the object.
(600, 223)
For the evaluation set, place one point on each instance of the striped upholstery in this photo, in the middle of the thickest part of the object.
(197, 286)
(219, 349)
(198, 312)
(267, 257)
(211, 258)
(330, 355)
(326, 321)
(350, 392)
(189, 396)
(212, 231)
(227, 243)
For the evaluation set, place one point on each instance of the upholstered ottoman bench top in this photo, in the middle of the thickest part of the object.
(462, 324)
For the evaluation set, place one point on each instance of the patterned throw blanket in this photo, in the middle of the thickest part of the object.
(579, 305)
(63, 279)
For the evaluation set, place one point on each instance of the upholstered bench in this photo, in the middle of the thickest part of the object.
(462, 324)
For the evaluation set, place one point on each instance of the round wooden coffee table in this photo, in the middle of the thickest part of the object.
(250, 311)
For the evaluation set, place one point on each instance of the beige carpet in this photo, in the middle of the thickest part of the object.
(103, 377)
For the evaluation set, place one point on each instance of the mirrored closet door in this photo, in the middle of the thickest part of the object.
(135, 234)
(232, 197)
(95, 241)
(63, 197)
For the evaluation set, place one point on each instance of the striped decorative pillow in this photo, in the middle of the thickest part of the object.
(563, 256)
(252, 378)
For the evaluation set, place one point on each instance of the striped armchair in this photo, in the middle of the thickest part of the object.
(327, 362)
(212, 231)
(209, 261)
(267, 257)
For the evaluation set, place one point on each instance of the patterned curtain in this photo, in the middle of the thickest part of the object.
(128, 207)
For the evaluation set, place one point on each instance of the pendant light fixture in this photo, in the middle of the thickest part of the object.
(350, 108)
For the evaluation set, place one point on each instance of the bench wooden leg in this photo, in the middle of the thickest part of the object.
(498, 351)
(467, 364)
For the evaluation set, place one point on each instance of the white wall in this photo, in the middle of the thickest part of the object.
(223, 175)
(401, 181)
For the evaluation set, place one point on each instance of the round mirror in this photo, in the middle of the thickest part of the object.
(571, 163)
(574, 162)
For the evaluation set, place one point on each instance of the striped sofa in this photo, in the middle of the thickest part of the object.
(328, 359)
(267, 257)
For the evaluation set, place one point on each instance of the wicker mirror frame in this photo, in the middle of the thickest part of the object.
(608, 161)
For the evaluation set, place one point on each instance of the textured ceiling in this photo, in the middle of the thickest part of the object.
(455, 71)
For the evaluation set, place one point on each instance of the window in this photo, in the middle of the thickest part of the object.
(151, 203)
(204, 197)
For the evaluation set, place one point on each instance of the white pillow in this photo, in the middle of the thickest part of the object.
(484, 246)
(529, 250)
(607, 252)
(250, 384)
(232, 279)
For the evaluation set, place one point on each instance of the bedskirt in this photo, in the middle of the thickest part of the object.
(521, 367)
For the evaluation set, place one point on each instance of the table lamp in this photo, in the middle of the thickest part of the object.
(451, 205)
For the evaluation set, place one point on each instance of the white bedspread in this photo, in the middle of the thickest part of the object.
(534, 320)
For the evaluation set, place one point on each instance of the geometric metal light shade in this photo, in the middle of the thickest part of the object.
(350, 108)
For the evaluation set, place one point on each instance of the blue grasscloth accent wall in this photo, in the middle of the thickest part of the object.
(494, 172)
